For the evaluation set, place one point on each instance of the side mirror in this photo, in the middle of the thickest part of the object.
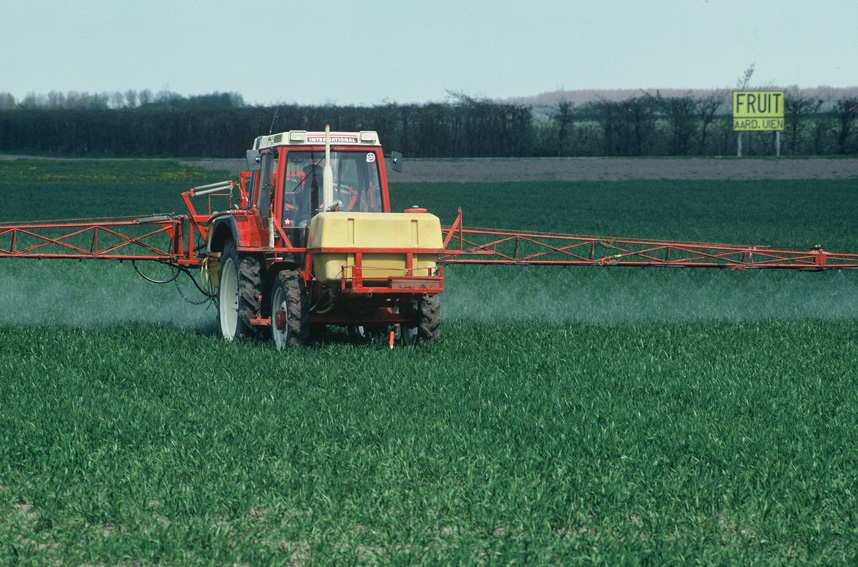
(396, 161)
(254, 161)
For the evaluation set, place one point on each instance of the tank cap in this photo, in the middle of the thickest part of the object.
(415, 209)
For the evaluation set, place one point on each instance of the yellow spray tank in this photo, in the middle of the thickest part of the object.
(381, 245)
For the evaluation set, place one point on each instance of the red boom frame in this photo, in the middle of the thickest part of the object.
(466, 245)
(64, 239)
(116, 239)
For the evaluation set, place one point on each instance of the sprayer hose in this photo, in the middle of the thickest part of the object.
(177, 271)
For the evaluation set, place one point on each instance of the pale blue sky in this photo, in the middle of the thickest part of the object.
(352, 52)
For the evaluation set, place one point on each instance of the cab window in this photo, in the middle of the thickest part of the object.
(267, 182)
(356, 184)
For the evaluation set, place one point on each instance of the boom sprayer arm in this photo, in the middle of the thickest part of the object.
(468, 245)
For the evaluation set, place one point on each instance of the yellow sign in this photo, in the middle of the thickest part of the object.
(758, 110)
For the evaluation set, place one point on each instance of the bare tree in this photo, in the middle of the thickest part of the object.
(236, 100)
(117, 100)
(745, 80)
(74, 99)
(626, 125)
(131, 98)
(845, 113)
(56, 99)
(680, 113)
(30, 100)
(145, 97)
(166, 98)
(564, 117)
(707, 109)
(7, 101)
(796, 106)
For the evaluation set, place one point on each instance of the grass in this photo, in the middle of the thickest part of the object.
(574, 417)
(794, 214)
(49, 189)
(574, 443)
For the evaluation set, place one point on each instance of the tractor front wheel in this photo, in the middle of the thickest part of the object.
(290, 310)
(239, 291)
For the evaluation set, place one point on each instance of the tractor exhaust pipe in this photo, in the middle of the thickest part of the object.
(328, 175)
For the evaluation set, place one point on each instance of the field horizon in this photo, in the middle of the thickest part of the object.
(476, 170)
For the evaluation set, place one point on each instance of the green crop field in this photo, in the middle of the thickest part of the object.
(588, 416)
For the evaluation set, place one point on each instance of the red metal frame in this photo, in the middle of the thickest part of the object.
(128, 238)
(185, 237)
(465, 245)
(51, 239)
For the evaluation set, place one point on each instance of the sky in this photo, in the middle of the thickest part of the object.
(370, 52)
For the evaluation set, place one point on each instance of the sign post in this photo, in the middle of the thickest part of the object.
(756, 111)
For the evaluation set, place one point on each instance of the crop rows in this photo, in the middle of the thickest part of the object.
(587, 416)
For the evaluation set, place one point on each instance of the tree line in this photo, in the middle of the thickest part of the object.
(221, 125)
(145, 99)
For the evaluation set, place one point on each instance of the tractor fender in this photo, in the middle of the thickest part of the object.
(224, 229)
(245, 229)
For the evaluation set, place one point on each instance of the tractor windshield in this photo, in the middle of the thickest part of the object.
(357, 186)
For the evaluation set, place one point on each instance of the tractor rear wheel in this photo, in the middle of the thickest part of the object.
(426, 313)
(239, 292)
(290, 310)
(429, 328)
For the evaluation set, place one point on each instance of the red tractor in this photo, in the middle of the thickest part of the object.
(313, 243)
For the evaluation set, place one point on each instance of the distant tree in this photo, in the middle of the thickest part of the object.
(797, 106)
(564, 117)
(165, 99)
(130, 98)
(30, 100)
(57, 100)
(607, 113)
(845, 113)
(626, 125)
(820, 133)
(640, 111)
(145, 97)
(86, 101)
(7, 101)
(745, 80)
(680, 112)
(483, 128)
(707, 108)
(117, 100)
(213, 100)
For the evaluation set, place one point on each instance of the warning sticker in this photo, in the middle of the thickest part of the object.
(370, 157)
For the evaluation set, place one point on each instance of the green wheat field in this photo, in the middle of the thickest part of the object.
(587, 416)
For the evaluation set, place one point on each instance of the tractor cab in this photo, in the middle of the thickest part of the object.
(294, 178)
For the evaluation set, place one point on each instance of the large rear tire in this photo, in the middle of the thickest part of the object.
(239, 291)
(290, 310)
(429, 328)
(426, 313)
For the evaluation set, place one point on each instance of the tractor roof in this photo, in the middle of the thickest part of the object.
(304, 138)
